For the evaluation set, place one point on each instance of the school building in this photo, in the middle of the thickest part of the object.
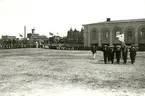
(105, 32)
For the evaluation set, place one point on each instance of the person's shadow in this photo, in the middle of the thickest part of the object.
(101, 61)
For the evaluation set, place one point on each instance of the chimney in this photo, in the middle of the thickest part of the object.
(33, 31)
(108, 19)
(24, 31)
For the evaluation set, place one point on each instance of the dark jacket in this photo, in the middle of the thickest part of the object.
(118, 52)
(105, 51)
(124, 52)
(133, 51)
(93, 49)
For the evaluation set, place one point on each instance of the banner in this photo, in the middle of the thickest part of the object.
(120, 37)
(20, 35)
(50, 33)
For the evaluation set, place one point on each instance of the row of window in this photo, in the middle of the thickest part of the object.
(117, 30)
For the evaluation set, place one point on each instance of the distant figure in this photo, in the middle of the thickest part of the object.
(118, 53)
(36, 44)
(93, 50)
(133, 51)
(14, 43)
(105, 53)
(9, 43)
(124, 54)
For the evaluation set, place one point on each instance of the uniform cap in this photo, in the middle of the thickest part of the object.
(105, 45)
(118, 46)
(111, 46)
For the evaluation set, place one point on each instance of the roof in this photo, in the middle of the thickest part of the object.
(8, 37)
(40, 37)
(118, 21)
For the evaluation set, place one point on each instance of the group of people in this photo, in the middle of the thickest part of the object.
(112, 52)
(12, 43)
(19, 43)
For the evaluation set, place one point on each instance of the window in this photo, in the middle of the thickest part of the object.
(142, 33)
(116, 31)
(93, 35)
(129, 33)
(105, 34)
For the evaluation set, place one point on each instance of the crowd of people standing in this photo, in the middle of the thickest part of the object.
(118, 52)
(19, 43)
(13, 43)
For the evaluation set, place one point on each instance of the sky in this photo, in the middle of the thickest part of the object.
(58, 16)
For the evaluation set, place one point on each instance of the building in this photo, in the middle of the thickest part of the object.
(75, 36)
(34, 37)
(105, 32)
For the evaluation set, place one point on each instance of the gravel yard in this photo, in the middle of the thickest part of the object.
(45, 72)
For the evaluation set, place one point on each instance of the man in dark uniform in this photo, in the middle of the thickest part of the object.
(93, 50)
(118, 53)
(124, 53)
(112, 54)
(133, 51)
(109, 53)
(105, 53)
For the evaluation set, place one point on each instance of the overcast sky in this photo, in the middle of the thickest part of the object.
(58, 16)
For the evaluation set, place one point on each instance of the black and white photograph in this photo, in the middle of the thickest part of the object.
(72, 47)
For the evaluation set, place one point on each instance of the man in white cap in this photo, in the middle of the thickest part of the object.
(93, 50)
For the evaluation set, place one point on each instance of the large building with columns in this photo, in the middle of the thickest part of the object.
(105, 32)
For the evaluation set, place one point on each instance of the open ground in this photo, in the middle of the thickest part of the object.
(46, 72)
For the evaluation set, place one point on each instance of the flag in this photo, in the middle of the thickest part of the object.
(20, 35)
(120, 37)
(50, 33)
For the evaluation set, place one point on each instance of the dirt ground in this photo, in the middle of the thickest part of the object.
(45, 72)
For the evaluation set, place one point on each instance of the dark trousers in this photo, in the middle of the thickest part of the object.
(125, 60)
(105, 57)
(109, 56)
(112, 58)
(124, 57)
(132, 57)
(118, 60)
(118, 55)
